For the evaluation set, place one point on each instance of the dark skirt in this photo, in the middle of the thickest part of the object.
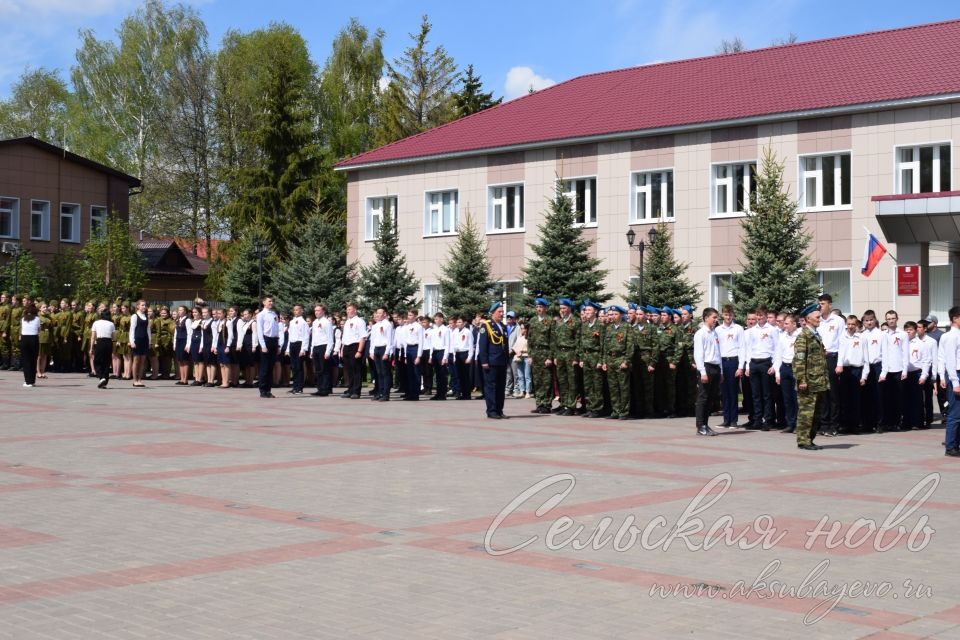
(222, 356)
(195, 356)
(246, 357)
(140, 346)
(180, 351)
(209, 356)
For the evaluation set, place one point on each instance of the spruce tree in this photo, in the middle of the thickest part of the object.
(562, 266)
(665, 280)
(317, 270)
(23, 277)
(111, 264)
(466, 284)
(471, 98)
(241, 279)
(777, 272)
(387, 282)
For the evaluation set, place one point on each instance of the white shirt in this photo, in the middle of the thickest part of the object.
(413, 336)
(873, 340)
(462, 340)
(215, 338)
(759, 343)
(242, 329)
(354, 330)
(853, 352)
(321, 334)
(731, 338)
(135, 319)
(949, 356)
(268, 325)
(933, 348)
(30, 327)
(103, 329)
(920, 358)
(382, 335)
(440, 338)
(830, 330)
(428, 338)
(896, 352)
(706, 349)
(298, 330)
(784, 352)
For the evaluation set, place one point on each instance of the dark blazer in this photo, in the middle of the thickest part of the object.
(493, 348)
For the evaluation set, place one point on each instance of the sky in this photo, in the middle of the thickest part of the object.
(512, 45)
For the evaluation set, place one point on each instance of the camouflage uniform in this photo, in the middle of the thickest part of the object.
(665, 376)
(647, 355)
(77, 317)
(618, 347)
(810, 368)
(539, 343)
(13, 333)
(591, 354)
(565, 336)
(687, 375)
(4, 335)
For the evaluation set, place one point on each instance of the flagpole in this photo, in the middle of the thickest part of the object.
(870, 233)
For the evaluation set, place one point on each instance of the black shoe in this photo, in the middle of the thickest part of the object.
(809, 447)
(557, 410)
(504, 417)
(953, 453)
(705, 431)
(103, 384)
(267, 395)
(765, 427)
(725, 425)
(495, 417)
(788, 430)
(535, 410)
(355, 396)
(568, 412)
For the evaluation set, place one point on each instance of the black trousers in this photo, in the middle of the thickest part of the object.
(850, 399)
(426, 372)
(495, 388)
(400, 371)
(413, 374)
(830, 416)
(892, 394)
(463, 374)
(351, 369)
(871, 413)
(296, 365)
(707, 393)
(268, 358)
(439, 372)
(383, 373)
(912, 401)
(760, 386)
(29, 351)
(102, 354)
(321, 369)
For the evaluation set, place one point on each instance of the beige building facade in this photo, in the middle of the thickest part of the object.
(837, 167)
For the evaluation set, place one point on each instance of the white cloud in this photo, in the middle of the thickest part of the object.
(37, 8)
(520, 79)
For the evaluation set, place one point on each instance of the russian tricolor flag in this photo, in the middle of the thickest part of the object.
(873, 252)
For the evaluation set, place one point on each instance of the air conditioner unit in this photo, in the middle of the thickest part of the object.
(9, 247)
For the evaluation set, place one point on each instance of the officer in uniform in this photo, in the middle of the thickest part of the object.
(666, 370)
(590, 358)
(618, 347)
(4, 331)
(539, 345)
(493, 353)
(566, 335)
(687, 377)
(645, 359)
(810, 370)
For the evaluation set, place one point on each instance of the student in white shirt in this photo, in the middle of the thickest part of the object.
(399, 353)
(413, 339)
(267, 325)
(756, 359)
(706, 358)
(426, 361)
(463, 347)
(353, 340)
(783, 371)
(247, 346)
(297, 346)
(930, 344)
(831, 326)
(919, 363)
(321, 349)
(852, 369)
(950, 363)
(871, 416)
(893, 372)
(731, 337)
(439, 348)
(29, 342)
(381, 351)
(101, 337)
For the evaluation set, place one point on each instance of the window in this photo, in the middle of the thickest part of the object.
(39, 220)
(98, 221)
(732, 185)
(923, 169)
(442, 213)
(511, 293)
(376, 209)
(506, 208)
(721, 289)
(9, 218)
(583, 195)
(70, 223)
(652, 196)
(825, 181)
(837, 284)
(431, 299)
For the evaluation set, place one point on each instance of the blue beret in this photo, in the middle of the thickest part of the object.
(618, 308)
(665, 309)
(632, 306)
(688, 308)
(675, 312)
(542, 301)
(567, 302)
(807, 310)
(650, 309)
(595, 305)
(495, 306)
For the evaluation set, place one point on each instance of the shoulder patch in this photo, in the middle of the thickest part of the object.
(800, 356)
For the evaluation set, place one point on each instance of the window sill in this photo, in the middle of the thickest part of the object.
(725, 216)
(39, 239)
(440, 235)
(843, 207)
(652, 221)
(70, 241)
(585, 225)
(502, 232)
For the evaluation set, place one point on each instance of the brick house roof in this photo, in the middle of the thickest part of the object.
(808, 78)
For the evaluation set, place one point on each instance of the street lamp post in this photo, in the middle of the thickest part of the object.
(641, 246)
(13, 249)
(260, 247)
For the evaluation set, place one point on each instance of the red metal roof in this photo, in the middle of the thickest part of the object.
(882, 66)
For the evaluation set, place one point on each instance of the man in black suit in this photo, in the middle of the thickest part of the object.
(493, 356)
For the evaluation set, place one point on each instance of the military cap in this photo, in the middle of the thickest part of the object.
(494, 307)
(566, 302)
(632, 306)
(688, 308)
(617, 308)
(665, 309)
(651, 309)
(542, 301)
(807, 310)
(590, 303)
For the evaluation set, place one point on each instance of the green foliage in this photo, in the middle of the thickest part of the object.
(316, 271)
(419, 96)
(665, 281)
(777, 272)
(562, 266)
(466, 285)
(110, 264)
(38, 107)
(471, 98)
(241, 277)
(387, 282)
(63, 274)
(23, 275)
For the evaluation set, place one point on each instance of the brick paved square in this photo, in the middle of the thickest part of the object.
(195, 513)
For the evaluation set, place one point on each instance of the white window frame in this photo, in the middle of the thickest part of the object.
(368, 234)
(44, 221)
(714, 292)
(74, 224)
(646, 190)
(429, 207)
(14, 218)
(899, 166)
(519, 199)
(438, 304)
(715, 182)
(837, 303)
(501, 287)
(589, 214)
(101, 218)
(817, 173)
